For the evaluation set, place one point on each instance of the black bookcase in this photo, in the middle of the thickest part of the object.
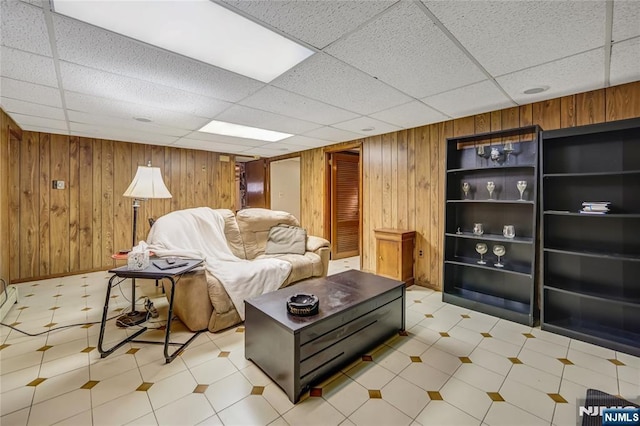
(509, 291)
(591, 263)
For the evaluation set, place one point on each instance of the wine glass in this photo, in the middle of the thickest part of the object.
(499, 251)
(481, 248)
(521, 185)
(508, 149)
(478, 229)
(491, 186)
(509, 231)
(465, 188)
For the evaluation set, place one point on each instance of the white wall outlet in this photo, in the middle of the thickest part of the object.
(58, 184)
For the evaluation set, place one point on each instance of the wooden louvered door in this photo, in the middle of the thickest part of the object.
(345, 205)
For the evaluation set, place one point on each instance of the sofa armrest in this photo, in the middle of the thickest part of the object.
(315, 243)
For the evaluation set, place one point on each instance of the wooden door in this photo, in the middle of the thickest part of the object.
(345, 205)
(256, 178)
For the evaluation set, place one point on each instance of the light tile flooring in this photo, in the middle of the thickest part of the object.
(453, 367)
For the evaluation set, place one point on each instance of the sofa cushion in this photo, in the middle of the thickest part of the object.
(304, 266)
(255, 224)
(232, 233)
(285, 239)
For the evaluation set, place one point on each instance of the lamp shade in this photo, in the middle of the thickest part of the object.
(147, 183)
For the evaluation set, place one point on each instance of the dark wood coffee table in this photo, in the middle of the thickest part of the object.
(358, 311)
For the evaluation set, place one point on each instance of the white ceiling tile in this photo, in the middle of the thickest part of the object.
(626, 19)
(332, 134)
(30, 128)
(30, 120)
(231, 140)
(35, 2)
(124, 124)
(94, 47)
(576, 74)
(506, 36)
(16, 17)
(324, 78)
(109, 107)
(28, 67)
(358, 124)
(412, 114)
(305, 141)
(102, 132)
(406, 50)
(469, 100)
(263, 152)
(239, 114)
(625, 62)
(284, 148)
(293, 105)
(29, 108)
(315, 22)
(30, 92)
(106, 85)
(209, 146)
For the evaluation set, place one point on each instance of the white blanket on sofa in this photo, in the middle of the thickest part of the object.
(199, 233)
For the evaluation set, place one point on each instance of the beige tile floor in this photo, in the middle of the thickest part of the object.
(454, 367)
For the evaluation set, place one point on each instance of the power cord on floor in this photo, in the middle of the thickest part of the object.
(57, 328)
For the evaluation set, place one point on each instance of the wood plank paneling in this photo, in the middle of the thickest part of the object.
(623, 101)
(568, 111)
(14, 205)
(590, 107)
(122, 210)
(45, 241)
(74, 203)
(29, 242)
(85, 204)
(107, 204)
(59, 205)
(96, 238)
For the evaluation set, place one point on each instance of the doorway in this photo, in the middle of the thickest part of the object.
(284, 185)
(344, 203)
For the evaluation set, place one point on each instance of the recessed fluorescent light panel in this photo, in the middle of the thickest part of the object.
(199, 29)
(240, 131)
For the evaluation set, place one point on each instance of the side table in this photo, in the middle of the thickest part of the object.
(154, 273)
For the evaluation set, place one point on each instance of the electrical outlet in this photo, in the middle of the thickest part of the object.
(420, 253)
(58, 184)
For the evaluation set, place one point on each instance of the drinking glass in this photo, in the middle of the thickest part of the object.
(491, 186)
(499, 251)
(521, 185)
(507, 149)
(478, 229)
(465, 188)
(509, 231)
(481, 248)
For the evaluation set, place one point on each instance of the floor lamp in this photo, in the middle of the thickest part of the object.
(146, 184)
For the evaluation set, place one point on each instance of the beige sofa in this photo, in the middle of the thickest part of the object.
(201, 302)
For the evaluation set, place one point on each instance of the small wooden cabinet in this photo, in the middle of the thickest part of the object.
(394, 254)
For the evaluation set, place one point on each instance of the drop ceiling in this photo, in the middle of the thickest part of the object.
(378, 66)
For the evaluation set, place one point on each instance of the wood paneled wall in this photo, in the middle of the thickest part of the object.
(77, 229)
(8, 131)
(403, 172)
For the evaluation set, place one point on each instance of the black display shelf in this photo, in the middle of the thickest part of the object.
(591, 262)
(508, 292)
(607, 215)
(561, 175)
(474, 169)
(491, 237)
(508, 268)
(525, 202)
(512, 310)
(596, 254)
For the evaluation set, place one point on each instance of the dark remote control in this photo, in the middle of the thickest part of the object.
(171, 260)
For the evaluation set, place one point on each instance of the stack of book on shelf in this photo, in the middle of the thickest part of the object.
(595, 207)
